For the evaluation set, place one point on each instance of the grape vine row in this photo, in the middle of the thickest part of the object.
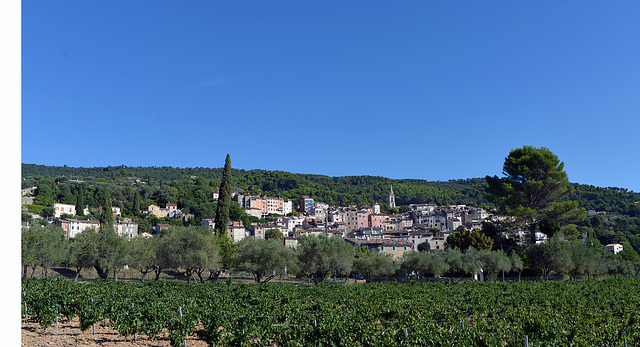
(577, 313)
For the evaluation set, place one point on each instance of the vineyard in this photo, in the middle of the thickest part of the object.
(576, 313)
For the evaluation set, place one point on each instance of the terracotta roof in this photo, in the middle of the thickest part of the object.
(395, 231)
(382, 242)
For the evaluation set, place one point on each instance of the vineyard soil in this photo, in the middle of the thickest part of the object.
(69, 334)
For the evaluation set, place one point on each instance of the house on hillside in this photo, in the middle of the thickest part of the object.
(291, 242)
(394, 247)
(160, 227)
(126, 228)
(236, 231)
(60, 209)
(73, 227)
(208, 223)
(171, 210)
(614, 248)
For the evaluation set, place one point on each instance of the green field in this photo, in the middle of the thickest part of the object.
(574, 313)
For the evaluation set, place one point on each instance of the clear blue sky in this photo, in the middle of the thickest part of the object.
(434, 90)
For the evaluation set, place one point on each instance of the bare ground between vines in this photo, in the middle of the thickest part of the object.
(69, 334)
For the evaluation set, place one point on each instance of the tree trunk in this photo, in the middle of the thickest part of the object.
(158, 271)
(268, 279)
(532, 231)
(102, 273)
(200, 276)
(213, 275)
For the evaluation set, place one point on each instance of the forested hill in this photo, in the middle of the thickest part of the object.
(358, 190)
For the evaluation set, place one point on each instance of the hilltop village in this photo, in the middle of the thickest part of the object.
(368, 226)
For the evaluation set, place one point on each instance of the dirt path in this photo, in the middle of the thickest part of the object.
(69, 334)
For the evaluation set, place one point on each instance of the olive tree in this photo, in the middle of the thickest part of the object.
(43, 246)
(143, 255)
(84, 251)
(265, 258)
(322, 256)
(197, 251)
(375, 263)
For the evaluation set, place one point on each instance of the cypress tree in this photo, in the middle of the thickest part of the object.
(224, 199)
(106, 217)
(80, 201)
(136, 204)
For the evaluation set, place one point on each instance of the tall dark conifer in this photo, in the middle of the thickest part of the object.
(106, 217)
(224, 199)
(80, 201)
(136, 204)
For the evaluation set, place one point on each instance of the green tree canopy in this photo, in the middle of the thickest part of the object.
(424, 247)
(322, 256)
(373, 264)
(465, 239)
(224, 199)
(106, 217)
(43, 245)
(533, 185)
(112, 253)
(425, 263)
(80, 204)
(550, 256)
(273, 234)
(84, 251)
(197, 251)
(265, 258)
(143, 255)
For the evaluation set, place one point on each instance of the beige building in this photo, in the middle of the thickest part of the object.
(291, 242)
(171, 210)
(127, 228)
(394, 247)
(73, 227)
(60, 209)
(236, 231)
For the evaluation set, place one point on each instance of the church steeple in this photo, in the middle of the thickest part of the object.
(392, 198)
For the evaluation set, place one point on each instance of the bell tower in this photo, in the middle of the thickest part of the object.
(392, 198)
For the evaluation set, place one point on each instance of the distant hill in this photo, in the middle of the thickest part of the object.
(346, 190)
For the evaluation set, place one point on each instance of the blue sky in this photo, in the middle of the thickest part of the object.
(434, 90)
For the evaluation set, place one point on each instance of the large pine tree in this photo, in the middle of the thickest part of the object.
(224, 199)
(532, 189)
